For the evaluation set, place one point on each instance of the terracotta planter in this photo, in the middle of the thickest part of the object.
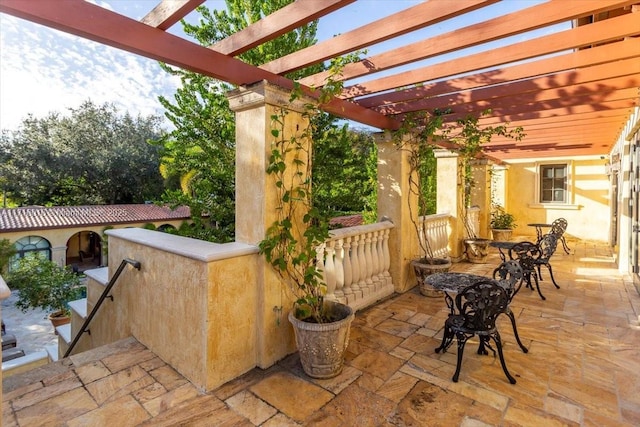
(322, 345)
(477, 250)
(423, 268)
(58, 318)
(502, 234)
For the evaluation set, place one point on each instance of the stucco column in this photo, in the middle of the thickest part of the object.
(256, 206)
(59, 255)
(481, 193)
(449, 199)
(393, 204)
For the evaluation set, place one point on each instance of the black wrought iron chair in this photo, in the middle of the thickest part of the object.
(510, 276)
(558, 227)
(531, 256)
(479, 305)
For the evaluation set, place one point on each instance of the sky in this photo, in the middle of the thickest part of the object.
(44, 70)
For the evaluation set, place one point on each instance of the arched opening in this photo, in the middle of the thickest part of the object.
(84, 251)
(32, 245)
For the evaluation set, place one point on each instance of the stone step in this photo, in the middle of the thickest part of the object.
(52, 352)
(79, 307)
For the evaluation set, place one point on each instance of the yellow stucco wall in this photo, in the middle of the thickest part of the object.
(193, 303)
(588, 211)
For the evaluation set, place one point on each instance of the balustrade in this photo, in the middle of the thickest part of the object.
(435, 228)
(355, 263)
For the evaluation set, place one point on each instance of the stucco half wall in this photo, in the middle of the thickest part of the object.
(193, 303)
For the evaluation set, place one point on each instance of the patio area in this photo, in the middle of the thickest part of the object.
(582, 369)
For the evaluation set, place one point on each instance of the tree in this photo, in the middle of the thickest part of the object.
(92, 156)
(200, 151)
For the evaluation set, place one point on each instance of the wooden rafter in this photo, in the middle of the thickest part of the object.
(519, 22)
(408, 20)
(290, 17)
(168, 12)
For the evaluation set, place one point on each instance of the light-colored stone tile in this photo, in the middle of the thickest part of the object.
(249, 406)
(170, 399)
(45, 393)
(397, 387)
(280, 420)
(293, 396)
(116, 385)
(563, 409)
(92, 371)
(57, 409)
(377, 363)
(336, 384)
(149, 392)
(168, 377)
(122, 412)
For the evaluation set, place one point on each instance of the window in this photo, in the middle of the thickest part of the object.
(553, 183)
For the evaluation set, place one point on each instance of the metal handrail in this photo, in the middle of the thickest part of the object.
(105, 294)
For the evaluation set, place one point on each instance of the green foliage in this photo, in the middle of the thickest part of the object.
(502, 220)
(7, 251)
(291, 242)
(43, 284)
(200, 151)
(92, 156)
(344, 171)
(419, 134)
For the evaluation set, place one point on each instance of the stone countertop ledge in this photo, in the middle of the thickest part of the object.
(185, 246)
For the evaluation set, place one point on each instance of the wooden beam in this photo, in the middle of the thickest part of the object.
(599, 32)
(95, 23)
(545, 14)
(619, 74)
(168, 12)
(403, 22)
(618, 51)
(290, 17)
(586, 93)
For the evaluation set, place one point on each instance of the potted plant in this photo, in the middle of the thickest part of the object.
(43, 284)
(291, 246)
(417, 137)
(502, 224)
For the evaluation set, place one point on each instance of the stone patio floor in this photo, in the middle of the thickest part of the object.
(582, 369)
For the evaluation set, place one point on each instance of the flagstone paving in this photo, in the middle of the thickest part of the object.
(582, 369)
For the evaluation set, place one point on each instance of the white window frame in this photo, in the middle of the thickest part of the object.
(569, 194)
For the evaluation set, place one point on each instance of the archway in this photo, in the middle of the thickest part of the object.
(84, 251)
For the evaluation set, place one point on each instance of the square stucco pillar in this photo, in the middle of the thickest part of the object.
(499, 185)
(256, 202)
(450, 197)
(393, 204)
(481, 194)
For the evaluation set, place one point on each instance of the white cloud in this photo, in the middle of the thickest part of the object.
(44, 70)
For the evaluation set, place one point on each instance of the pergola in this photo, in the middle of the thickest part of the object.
(572, 90)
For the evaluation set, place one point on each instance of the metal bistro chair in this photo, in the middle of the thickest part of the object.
(479, 305)
(531, 256)
(558, 227)
(510, 276)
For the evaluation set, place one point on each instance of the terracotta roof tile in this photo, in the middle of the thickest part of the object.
(346, 221)
(38, 217)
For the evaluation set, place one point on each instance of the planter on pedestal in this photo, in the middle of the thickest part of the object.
(425, 267)
(477, 250)
(501, 234)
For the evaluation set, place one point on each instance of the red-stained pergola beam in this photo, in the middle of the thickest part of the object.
(599, 32)
(290, 17)
(168, 12)
(621, 74)
(570, 61)
(403, 22)
(545, 14)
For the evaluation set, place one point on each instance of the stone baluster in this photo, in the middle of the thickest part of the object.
(339, 266)
(327, 251)
(356, 266)
(369, 266)
(348, 271)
